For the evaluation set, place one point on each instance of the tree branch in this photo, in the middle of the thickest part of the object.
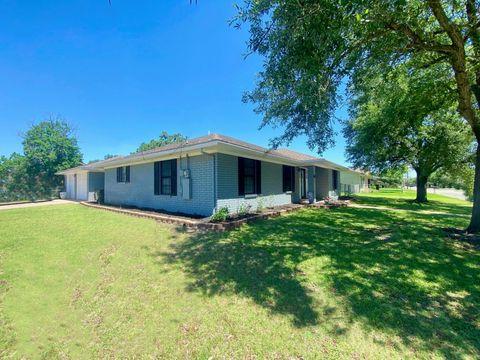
(417, 41)
(450, 28)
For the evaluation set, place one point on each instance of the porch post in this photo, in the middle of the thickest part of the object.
(311, 183)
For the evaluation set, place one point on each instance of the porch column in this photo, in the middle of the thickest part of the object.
(311, 183)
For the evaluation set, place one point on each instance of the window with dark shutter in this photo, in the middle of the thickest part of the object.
(123, 174)
(127, 174)
(288, 178)
(120, 174)
(249, 176)
(165, 177)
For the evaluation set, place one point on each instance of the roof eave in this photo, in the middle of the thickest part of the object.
(331, 165)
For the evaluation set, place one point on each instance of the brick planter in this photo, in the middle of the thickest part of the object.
(205, 224)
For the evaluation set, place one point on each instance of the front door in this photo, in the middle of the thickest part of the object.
(303, 184)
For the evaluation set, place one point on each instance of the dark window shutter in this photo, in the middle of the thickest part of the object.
(156, 178)
(335, 179)
(285, 174)
(127, 174)
(174, 176)
(241, 176)
(258, 177)
(292, 171)
(119, 174)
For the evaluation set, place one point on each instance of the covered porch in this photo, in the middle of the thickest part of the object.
(321, 179)
(316, 182)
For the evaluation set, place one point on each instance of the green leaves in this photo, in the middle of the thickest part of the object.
(49, 146)
(163, 139)
(397, 121)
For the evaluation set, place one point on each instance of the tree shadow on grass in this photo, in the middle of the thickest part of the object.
(239, 263)
(395, 272)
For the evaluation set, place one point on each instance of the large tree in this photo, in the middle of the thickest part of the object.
(396, 122)
(48, 147)
(163, 139)
(311, 46)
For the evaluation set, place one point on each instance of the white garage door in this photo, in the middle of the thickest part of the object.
(82, 179)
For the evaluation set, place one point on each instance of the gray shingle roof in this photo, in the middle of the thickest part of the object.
(280, 153)
(294, 155)
(285, 153)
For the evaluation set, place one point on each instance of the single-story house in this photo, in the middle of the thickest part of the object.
(201, 175)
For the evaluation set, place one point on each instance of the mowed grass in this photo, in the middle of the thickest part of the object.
(344, 283)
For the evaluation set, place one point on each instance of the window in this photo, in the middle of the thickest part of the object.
(165, 177)
(123, 174)
(249, 176)
(288, 178)
(335, 179)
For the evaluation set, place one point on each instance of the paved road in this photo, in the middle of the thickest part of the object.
(34, 204)
(453, 193)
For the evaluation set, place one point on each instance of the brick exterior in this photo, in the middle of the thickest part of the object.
(213, 185)
(139, 192)
(323, 179)
(227, 186)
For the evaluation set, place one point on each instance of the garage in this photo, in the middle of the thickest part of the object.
(81, 182)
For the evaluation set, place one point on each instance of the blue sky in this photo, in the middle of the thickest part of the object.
(122, 74)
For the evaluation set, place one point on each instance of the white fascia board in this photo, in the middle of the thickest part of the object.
(237, 150)
(72, 171)
(331, 165)
(143, 158)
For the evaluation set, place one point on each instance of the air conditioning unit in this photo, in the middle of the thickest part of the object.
(92, 196)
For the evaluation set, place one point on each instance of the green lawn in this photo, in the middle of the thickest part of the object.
(343, 283)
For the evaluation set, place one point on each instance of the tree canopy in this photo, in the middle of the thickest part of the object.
(396, 122)
(310, 48)
(48, 147)
(163, 139)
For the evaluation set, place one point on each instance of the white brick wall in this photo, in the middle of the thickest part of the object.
(227, 186)
(139, 192)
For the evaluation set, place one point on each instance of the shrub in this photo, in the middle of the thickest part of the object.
(244, 209)
(220, 215)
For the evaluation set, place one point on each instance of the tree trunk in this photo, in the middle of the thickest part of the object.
(474, 226)
(421, 188)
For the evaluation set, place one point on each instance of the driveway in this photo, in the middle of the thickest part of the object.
(34, 204)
